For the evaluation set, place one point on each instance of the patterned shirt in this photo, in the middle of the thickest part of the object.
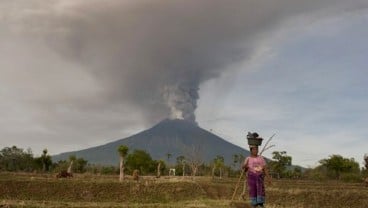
(255, 164)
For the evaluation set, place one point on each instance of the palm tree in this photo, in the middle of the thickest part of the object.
(72, 159)
(181, 160)
(123, 151)
(44, 158)
(159, 168)
(168, 157)
(219, 163)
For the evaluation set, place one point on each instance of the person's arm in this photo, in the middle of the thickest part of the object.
(245, 165)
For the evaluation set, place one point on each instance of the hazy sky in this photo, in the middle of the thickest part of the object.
(81, 73)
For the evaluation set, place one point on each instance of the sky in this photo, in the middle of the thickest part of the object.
(81, 73)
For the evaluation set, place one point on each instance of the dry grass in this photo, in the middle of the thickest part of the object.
(44, 190)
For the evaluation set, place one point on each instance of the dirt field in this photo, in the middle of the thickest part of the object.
(44, 190)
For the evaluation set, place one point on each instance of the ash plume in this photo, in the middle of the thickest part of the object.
(149, 57)
(182, 101)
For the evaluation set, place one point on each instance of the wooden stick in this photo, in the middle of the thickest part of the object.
(237, 185)
(242, 196)
(266, 147)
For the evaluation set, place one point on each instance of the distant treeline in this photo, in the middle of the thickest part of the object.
(14, 159)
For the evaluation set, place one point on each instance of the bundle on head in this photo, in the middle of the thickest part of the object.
(254, 139)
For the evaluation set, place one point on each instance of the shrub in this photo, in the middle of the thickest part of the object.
(351, 177)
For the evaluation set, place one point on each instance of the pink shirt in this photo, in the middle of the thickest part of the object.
(255, 164)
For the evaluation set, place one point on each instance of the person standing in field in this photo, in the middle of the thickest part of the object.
(255, 167)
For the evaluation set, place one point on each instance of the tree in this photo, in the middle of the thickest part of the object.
(280, 162)
(338, 164)
(72, 159)
(218, 163)
(80, 165)
(109, 170)
(168, 155)
(123, 151)
(142, 161)
(16, 159)
(46, 160)
(297, 172)
(160, 167)
(194, 158)
(73, 165)
(181, 163)
(235, 160)
(365, 168)
(43, 158)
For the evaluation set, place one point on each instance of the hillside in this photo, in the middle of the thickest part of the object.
(177, 137)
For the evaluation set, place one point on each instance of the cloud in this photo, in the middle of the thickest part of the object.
(309, 91)
(100, 66)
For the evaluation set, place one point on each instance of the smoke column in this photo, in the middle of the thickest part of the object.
(149, 56)
(182, 101)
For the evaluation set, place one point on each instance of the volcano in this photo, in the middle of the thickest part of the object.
(175, 137)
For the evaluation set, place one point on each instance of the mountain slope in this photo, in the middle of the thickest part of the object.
(177, 137)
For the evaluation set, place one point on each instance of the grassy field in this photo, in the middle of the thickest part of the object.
(44, 190)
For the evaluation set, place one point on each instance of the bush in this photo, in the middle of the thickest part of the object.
(317, 174)
(109, 170)
(351, 177)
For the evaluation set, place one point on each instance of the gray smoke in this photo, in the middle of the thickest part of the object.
(150, 55)
(182, 100)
